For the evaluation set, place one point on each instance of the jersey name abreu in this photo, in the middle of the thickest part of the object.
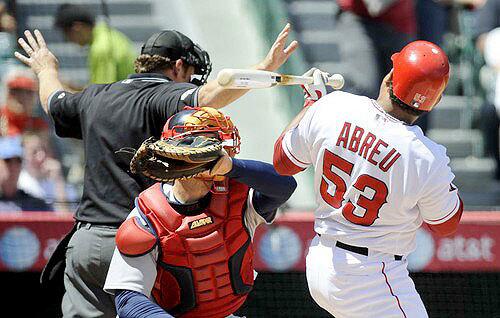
(367, 145)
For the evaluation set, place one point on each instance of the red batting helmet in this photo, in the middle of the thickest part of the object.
(420, 74)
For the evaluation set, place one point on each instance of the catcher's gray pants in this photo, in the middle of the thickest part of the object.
(88, 256)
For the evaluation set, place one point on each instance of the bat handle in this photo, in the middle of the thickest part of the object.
(336, 81)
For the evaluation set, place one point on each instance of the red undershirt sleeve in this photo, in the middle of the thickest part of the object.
(282, 163)
(450, 226)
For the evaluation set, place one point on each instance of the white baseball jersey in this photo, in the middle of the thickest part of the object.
(376, 178)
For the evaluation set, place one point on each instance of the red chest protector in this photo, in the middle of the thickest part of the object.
(205, 264)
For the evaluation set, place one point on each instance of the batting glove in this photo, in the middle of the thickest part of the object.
(313, 92)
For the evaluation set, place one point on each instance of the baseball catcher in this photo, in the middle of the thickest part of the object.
(186, 247)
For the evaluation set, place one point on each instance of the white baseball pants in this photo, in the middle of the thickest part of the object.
(351, 285)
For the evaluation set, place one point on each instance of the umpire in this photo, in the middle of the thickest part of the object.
(109, 117)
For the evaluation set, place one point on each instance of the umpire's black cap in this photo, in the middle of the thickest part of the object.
(169, 43)
(174, 45)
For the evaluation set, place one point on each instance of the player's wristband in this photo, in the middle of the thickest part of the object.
(308, 102)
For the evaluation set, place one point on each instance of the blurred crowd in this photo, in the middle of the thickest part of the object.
(34, 176)
(487, 36)
(31, 176)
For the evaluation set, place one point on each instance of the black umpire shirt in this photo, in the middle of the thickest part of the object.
(110, 117)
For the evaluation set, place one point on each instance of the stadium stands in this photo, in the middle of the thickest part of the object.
(126, 15)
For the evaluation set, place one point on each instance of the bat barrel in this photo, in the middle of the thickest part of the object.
(244, 79)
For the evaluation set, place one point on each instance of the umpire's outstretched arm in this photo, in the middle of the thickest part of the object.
(45, 66)
(216, 96)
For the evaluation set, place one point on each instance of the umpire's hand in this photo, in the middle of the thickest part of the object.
(43, 63)
(279, 52)
(40, 59)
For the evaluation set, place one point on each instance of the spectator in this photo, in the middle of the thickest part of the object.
(11, 197)
(111, 55)
(432, 20)
(41, 175)
(7, 21)
(487, 19)
(433, 17)
(490, 112)
(375, 29)
(16, 115)
(8, 27)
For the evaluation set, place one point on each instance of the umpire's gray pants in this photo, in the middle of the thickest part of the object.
(88, 256)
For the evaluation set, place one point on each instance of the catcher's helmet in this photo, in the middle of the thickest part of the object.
(206, 121)
(420, 74)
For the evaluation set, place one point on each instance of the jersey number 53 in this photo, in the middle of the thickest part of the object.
(371, 206)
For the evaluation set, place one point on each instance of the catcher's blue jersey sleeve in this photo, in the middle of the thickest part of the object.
(131, 304)
(271, 190)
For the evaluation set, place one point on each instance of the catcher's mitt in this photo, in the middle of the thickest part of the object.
(176, 158)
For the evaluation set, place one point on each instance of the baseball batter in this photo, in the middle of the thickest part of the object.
(377, 178)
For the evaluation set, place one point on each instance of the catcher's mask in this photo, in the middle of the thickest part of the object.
(204, 121)
(175, 45)
(200, 59)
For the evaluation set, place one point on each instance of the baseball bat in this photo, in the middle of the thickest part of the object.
(245, 79)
